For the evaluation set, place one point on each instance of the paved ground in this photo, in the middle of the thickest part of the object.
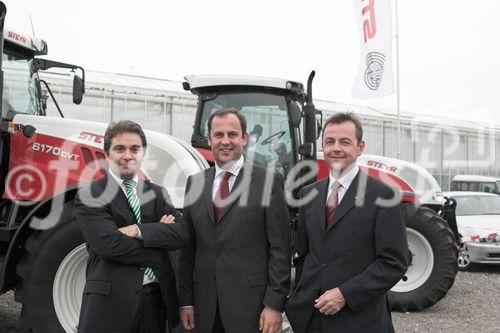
(9, 314)
(472, 305)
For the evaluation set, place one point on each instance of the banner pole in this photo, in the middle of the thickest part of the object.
(397, 80)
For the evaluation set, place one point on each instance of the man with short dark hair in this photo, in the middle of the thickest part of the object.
(351, 242)
(130, 285)
(234, 273)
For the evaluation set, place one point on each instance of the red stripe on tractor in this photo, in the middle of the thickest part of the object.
(43, 165)
(407, 192)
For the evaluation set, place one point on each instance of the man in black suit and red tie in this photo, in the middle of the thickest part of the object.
(234, 274)
(351, 242)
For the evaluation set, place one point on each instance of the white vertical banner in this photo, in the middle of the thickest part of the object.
(374, 20)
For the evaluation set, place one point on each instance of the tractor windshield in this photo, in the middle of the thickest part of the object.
(270, 143)
(19, 90)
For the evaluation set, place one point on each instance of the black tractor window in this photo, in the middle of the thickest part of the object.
(270, 143)
(19, 90)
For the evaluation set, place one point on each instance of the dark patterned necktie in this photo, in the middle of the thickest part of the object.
(332, 202)
(222, 194)
(135, 205)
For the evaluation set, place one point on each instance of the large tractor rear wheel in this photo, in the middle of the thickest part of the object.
(433, 261)
(53, 276)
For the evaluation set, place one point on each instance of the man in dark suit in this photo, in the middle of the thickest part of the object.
(234, 274)
(351, 242)
(130, 285)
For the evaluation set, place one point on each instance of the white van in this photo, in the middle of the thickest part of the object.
(475, 183)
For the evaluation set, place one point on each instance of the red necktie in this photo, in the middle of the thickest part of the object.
(332, 202)
(222, 194)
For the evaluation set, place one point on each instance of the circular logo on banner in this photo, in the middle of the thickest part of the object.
(374, 69)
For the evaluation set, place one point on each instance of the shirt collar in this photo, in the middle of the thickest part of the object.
(346, 179)
(119, 180)
(234, 169)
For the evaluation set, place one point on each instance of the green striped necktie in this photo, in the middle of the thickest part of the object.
(133, 201)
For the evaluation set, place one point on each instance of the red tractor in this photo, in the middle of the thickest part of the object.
(43, 160)
(283, 130)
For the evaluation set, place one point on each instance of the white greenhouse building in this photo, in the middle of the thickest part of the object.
(443, 146)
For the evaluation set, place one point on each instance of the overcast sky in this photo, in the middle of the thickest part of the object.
(449, 50)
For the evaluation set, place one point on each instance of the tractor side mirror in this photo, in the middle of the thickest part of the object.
(295, 114)
(78, 89)
(319, 128)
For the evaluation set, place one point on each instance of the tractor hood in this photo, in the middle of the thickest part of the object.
(420, 180)
(407, 175)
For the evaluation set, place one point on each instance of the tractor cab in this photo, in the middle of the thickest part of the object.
(22, 93)
(22, 98)
(272, 108)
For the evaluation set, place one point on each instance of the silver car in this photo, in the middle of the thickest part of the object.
(478, 221)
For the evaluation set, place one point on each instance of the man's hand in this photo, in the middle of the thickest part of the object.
(130, 230)
(167, 219)
(187, 317)
(270, 320)
(330, 302)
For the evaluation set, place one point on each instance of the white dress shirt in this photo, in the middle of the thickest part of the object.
(120, 181)
(234, 170)
(345, 181)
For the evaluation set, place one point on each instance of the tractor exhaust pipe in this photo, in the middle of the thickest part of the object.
(310, 125)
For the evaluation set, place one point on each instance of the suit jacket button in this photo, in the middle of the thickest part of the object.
(141, 268)
(324, 265)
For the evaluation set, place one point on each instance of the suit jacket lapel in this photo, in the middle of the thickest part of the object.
(320, 208)
(145, 194)
(207, 192)
(355, 193)
(241, 183)
(113, 193)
